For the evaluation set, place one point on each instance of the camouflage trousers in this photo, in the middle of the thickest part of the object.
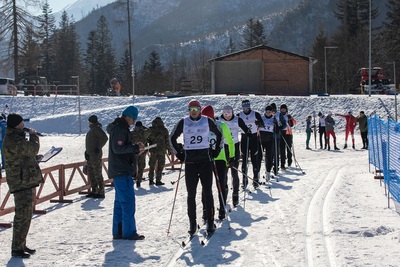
(95, 174)
(157, 163)
(23, 201)
(141, 163)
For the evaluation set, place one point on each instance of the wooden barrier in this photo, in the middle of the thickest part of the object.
(75, 182)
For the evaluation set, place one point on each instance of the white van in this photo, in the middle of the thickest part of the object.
(7, 87)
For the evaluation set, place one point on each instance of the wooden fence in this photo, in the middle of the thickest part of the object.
(61, 181)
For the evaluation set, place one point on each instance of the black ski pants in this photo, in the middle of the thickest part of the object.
(268, 145)
(322, 136)
(235, 175)
(286, 148)
(222, 186)
(250, 144)
(364, 137)
(203, 171)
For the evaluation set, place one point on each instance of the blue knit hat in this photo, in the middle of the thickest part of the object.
(131, 112)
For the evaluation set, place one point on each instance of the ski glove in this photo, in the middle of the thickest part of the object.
(231, 162)
(215, 153)
(248, 133)
(181, 156)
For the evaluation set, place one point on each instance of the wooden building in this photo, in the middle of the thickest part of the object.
(262, 70)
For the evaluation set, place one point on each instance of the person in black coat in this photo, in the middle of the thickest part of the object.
(121, 165)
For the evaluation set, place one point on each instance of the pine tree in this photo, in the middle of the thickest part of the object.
(231, 47)
(125, 71)
(46, 33)
(105, 59)
(352, 42)
(152, 77)
(67, 60)
(319, 54)
(30, 50)
(15, 20)
(253, 34)
(90, 58)
(391, 33)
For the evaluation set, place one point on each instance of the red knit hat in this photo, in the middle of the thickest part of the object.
(208, 111)
(194, 103)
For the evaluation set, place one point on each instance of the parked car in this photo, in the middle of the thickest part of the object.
(7, 86)
(34, 85)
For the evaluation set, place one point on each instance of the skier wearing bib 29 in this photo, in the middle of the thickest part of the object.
(197, 155)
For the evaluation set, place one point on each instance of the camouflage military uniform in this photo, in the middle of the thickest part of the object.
(23, 174)
(96, 138)
(139, 135)
(158, 135)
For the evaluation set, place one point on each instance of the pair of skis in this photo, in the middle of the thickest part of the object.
(204, 237)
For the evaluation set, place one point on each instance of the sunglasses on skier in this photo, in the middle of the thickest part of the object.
(194, 108)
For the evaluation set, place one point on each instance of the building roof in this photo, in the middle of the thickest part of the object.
(258, 47)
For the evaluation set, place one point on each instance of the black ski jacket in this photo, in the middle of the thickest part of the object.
(121, 160)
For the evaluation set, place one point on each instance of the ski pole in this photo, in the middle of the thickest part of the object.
(177, 180)
(173, 204)
(315, 131)
(252, 179)
(247, 165)
(220, 193)
(295, 160)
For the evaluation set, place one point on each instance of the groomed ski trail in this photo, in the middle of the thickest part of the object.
(319, 249)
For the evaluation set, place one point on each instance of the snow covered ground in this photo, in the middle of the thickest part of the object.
(335, 214)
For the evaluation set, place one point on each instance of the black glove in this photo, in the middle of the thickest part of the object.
(181, 156)
(86, 156)
(215, 153)
(248, 133)
(231, 161)
(85, 169)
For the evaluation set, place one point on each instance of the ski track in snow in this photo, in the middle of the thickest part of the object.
(319, 249)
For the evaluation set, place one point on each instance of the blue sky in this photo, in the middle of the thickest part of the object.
(55, 5)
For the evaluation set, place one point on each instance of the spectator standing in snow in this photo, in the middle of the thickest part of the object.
(363, 125)
(197, 155)
(330, 130)
(234, 123)
(139, 135)
(350, 125)
(3, 125)
(23, 175)
(96, 139)
(250, 142)
(121, 165)
(308, 131)
(225, 157)
(158, 135)
(321, 130)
